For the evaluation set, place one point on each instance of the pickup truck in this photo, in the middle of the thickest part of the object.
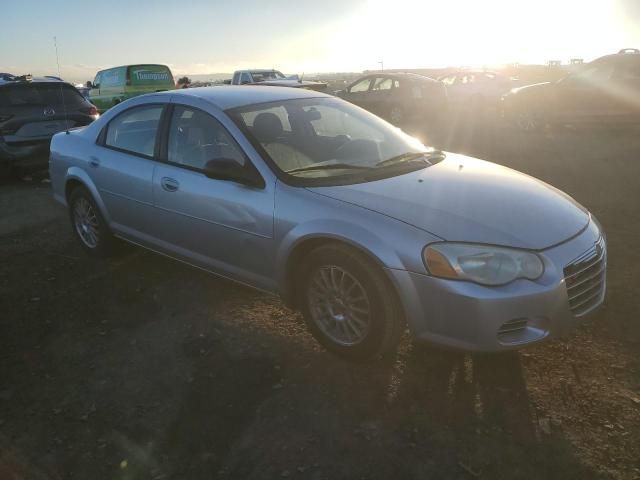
(272, 78)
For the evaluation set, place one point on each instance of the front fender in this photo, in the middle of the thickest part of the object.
(352, 234)
(77, 174)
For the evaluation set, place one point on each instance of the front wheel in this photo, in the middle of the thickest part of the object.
(348, 304)
(89, 226)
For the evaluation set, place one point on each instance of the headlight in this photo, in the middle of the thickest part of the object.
(481, 264)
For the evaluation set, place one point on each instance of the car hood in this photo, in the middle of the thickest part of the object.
(469, 200)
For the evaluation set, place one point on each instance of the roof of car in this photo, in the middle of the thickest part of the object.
(406, 75)
(233, 96)
(622, 55)
(8, 79)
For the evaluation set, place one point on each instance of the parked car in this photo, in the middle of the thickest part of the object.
(605, 91)
(273, 78)
(350, 220)
(31, 111)
(398, 97)
(113, 85)
(476, 89)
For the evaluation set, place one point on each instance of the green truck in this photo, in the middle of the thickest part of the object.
(113, 85)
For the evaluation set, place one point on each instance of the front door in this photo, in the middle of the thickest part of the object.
(584, 97)
(358, 93)
(220, 225)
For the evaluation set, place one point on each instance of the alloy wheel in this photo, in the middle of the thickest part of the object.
(86, 223)
(339, 305)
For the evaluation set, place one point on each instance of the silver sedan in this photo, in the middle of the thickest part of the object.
(348, 219)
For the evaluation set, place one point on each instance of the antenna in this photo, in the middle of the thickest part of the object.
(64, 105)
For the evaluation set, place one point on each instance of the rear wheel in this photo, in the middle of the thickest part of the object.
(89, 226)
(348, 304)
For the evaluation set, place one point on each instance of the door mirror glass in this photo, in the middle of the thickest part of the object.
(228, 169)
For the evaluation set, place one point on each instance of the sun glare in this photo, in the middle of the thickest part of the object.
(432, 33)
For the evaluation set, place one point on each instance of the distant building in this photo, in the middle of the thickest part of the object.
(576, 61)
(554, 63)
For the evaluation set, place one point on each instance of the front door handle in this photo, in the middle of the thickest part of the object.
(169, 184)
(94, 161)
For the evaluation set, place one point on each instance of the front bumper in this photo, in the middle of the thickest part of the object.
(473, 317)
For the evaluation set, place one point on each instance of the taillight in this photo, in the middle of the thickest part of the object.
(92, 111)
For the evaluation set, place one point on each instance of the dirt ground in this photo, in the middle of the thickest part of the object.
(142, 368)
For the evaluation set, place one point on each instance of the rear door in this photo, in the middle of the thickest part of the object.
(122, 165)
(216, 224)
(381, 100)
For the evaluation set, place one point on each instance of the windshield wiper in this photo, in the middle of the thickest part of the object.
(329, 166)
(411, 156)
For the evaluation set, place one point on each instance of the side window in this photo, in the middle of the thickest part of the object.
(196, 138)
(382, 84)
(96, 81)
(361, 86)
(135, 130)
(245, 78)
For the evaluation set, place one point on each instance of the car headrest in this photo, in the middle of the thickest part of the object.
(267, 127)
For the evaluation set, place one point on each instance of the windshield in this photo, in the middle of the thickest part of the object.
(263, 76)
(328, 138)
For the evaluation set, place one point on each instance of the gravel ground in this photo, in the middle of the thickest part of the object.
(142, 368)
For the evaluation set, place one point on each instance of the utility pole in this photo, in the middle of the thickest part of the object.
(381, 63)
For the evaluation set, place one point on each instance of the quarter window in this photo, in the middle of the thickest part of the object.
(135, 130)
(196, 138)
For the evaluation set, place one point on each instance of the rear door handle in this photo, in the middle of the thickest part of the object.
(169, 184)
(94, 161)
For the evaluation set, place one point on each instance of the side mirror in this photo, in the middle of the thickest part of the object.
(89, 84)
(228, 169)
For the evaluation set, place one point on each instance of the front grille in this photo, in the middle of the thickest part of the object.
(511, 326)
(585, 279)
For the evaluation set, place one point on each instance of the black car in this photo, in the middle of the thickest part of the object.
(398, 97)
(31, 111)
(604, 91)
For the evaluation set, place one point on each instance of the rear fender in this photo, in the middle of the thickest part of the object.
(76, 174)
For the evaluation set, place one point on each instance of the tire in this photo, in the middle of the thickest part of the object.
(349, 305)
(88, 224)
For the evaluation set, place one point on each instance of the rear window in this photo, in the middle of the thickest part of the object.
(39, 94)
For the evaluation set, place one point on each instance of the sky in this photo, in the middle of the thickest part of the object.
(307, 36)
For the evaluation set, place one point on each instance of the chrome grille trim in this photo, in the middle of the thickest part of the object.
(585, 279)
